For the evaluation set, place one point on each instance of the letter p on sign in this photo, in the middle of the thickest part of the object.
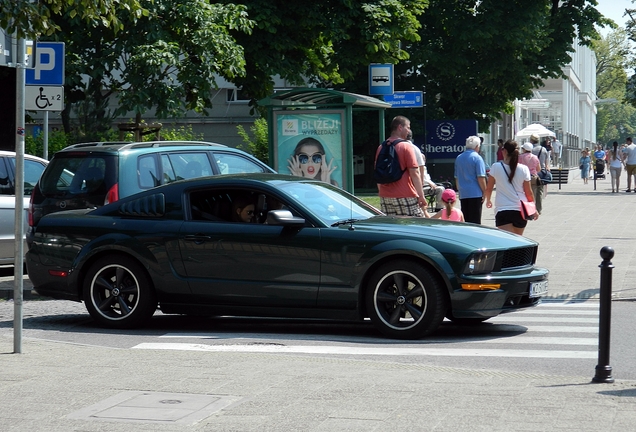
(45, 62)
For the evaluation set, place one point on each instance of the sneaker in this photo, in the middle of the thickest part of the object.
(629, 190)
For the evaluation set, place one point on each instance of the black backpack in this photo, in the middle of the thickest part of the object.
(387, 165)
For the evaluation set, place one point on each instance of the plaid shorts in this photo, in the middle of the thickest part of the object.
(401, 207)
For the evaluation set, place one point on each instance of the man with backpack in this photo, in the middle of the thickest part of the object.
(397, 173)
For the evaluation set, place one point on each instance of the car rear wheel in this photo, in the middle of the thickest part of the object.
(405, 300)
(118, 293)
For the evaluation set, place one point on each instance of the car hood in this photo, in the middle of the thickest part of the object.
(459, 233)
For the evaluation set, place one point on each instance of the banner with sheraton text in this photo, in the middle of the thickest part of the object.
(446, 139)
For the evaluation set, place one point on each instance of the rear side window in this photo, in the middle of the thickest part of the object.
(81, 174)
(236, 164)
(190, 165)
(5, 183)
(32, 172)
(147, 172)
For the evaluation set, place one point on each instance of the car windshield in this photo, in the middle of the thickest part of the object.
(327, 202)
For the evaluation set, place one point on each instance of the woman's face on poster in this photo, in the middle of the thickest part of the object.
(310, 160)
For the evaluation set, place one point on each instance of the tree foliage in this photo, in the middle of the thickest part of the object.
(325, 42)
(167, 61)
(616, 116)
(473, 58)
(32, 19)
(258, 143)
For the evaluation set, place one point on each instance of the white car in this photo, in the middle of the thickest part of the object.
(33, 168)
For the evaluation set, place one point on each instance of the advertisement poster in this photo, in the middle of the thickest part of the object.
(310, 144)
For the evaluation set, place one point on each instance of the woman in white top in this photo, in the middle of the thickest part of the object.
(513, 185)
(615, 167)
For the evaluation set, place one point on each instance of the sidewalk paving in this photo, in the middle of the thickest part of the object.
(57, 387)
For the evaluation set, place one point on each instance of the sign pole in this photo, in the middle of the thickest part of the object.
(18, 264)
(45, 137)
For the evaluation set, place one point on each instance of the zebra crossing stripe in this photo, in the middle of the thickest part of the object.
(370, 351)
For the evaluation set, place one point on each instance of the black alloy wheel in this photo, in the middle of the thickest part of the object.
(118, 293)
(405, 300)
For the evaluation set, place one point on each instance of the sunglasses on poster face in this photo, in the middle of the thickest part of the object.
(315, 158)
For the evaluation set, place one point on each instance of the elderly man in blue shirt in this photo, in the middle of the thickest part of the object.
(470, 178)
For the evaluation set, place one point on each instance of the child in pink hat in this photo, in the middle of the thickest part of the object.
(449, 212)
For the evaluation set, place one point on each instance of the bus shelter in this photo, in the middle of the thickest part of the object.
(311, 132)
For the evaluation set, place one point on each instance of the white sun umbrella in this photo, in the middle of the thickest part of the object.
(535, 129)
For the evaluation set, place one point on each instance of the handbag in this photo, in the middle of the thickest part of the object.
(545, 176)
(581, 166)
(528, 209)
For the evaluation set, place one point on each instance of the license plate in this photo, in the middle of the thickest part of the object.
(538, 289)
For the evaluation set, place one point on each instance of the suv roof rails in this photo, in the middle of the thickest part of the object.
(174, 143)
(143, 144)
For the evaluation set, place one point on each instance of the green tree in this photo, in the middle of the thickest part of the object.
(30, 19)
(257, 144)
(474, 58)
(616, 115)
(323, 42)
(167, 61)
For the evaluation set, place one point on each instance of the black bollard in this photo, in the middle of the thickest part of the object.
(603, 369)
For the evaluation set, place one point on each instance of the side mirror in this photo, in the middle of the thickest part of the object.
(283, 217)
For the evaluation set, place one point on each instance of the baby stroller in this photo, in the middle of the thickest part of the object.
(599, 171)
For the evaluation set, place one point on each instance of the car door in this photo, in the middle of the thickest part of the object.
(248, 264)
(32, 172)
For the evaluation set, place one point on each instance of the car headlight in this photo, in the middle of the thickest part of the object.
(481, 262)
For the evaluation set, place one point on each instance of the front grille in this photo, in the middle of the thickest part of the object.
(518, 257)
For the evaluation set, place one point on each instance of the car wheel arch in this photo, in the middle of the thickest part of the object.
(399, 257)
(86, 265)
(118, 292)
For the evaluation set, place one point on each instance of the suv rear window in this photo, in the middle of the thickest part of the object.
(80, 174)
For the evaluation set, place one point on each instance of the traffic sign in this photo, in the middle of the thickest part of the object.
(405, 99)
(41, 98)
(49, 65)
(380, 79)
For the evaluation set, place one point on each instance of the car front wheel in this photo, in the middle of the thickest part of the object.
(118, 293)
(405, 300)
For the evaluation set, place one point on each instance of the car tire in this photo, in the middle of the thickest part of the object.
(405, 300)
(118, 293)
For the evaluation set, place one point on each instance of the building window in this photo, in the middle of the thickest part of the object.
(236, 96)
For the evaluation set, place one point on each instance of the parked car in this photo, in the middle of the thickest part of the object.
(310, 250)
(93, 174)
(33, 167)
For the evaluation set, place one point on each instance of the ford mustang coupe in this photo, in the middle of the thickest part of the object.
(279, 246)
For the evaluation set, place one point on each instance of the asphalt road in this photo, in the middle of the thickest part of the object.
(556, 338)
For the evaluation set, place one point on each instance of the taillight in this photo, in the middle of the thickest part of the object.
(112, 195)
(30, 211)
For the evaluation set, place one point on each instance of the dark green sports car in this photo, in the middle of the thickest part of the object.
(279, 246)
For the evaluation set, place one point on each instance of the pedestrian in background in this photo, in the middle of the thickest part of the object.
(404, 197)
(500, 143)
(629, 159)
(449, 212)
(470, 178)
(615, 166)
(584, 164)
(513, 185)
(431, 188)
(538, 188)
(556, 151)
(531, 161)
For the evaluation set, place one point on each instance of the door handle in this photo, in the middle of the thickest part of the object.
(197, 238)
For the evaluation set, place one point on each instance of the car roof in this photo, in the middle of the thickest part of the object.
(6, 153)
(119, 146)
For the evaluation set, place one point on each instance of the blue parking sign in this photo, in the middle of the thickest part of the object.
(49, 65)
